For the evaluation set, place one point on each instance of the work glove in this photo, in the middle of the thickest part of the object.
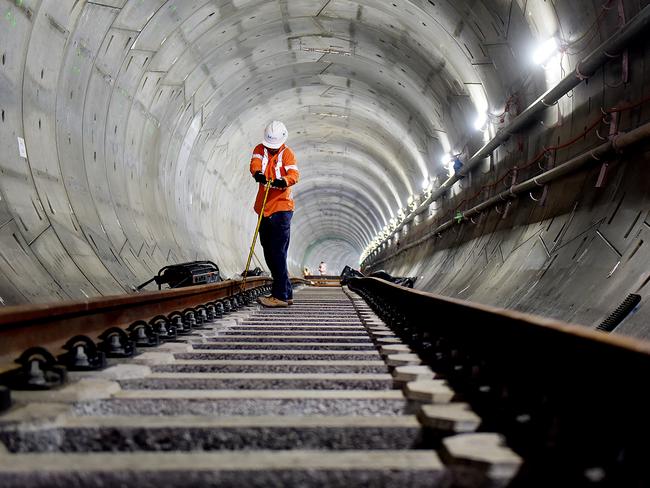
(260, 178)
(279, 183)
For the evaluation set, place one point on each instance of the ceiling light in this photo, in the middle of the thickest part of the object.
(546, 51)
(445, 159)
(425, 183)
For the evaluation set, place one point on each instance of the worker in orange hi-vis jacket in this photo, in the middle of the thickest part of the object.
(273, 161)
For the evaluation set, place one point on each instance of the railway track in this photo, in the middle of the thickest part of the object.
(374, 385)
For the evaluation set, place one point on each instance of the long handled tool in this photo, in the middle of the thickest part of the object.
(257, 231)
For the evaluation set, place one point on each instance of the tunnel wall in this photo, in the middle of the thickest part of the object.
(138, 118)
(573, 253)
(100, 201)
(576, 258)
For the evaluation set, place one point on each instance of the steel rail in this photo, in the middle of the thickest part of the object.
(569, 399)
(528, 321)
(50, 325)
(297, 397)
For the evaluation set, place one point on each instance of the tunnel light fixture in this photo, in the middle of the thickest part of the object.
(481, 121)
(546, 50)
(447, 161)
(413, 202)
(426, 183)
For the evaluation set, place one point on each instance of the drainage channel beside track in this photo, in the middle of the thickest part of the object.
(320, 394)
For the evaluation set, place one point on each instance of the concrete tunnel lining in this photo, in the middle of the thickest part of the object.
(139, 119)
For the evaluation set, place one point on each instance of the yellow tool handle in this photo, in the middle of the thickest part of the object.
(257, 231)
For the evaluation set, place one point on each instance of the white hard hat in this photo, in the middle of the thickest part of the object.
(275, 135)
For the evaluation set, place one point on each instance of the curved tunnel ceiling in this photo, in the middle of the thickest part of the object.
(140, 116)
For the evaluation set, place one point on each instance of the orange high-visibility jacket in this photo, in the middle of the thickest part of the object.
(282, 165)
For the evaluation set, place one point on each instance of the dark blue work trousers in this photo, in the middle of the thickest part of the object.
(275, 232)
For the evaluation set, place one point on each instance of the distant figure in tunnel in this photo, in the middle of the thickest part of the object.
(322, 268)
(273, 161)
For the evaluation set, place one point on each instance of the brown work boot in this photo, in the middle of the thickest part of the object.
(272, 302)
(289, 302)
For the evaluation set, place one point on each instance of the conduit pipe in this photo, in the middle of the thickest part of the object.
(602, 152)
(584, 69)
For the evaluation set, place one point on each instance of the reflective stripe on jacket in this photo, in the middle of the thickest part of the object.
(282, 165)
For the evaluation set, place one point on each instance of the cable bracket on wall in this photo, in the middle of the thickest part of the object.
(602, 175)
(542, 198)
